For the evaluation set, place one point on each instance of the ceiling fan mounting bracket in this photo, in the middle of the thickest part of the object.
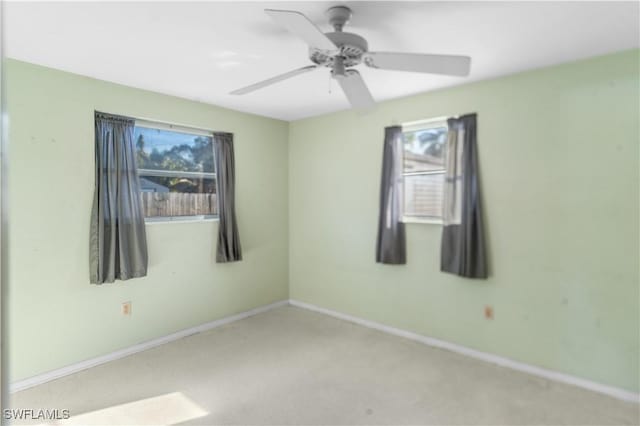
(339, 16)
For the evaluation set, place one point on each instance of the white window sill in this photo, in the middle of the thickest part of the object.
(186, 219)
(422, 220)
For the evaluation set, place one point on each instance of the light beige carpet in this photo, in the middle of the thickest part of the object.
(291, 366)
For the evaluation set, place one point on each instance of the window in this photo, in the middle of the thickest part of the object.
(177, 172)
(423, 162)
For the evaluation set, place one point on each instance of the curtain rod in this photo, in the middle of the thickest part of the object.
(430, 120)
(174, 125)
(426, 121)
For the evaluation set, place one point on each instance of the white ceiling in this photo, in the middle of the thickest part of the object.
(204, 50)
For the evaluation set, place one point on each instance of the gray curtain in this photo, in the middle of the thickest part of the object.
(391, 244)
(228, 239)
(463, 249)
(118, 239)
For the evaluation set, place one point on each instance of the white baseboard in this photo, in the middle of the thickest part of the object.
(618, 393)
(83, 365)
(615, 392)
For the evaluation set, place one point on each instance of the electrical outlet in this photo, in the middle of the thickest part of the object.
(488, 312)
(126, 308)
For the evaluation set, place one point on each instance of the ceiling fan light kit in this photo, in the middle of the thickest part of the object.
(340, 51)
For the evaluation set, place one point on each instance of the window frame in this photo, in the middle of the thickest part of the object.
(149, 124)
(431, 123)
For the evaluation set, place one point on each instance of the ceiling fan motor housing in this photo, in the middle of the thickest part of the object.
(351, 47)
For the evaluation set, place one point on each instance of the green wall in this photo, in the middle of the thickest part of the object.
(56, 317)
(559, 170)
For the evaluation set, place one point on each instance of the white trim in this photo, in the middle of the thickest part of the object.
(426, 172)
(612, 391)
(83, 365)
(422, 219)
(155, 220)
(178, 173)
(615, 392)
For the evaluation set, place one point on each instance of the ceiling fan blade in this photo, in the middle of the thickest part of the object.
(356, 91)
(300, 25)
(273, 80)
(418, 62)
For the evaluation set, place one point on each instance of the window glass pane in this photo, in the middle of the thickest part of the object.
(423, 195)
(171, 196)
(158, 149)
(424, 149)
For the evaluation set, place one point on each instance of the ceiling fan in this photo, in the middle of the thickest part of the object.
(341, 51)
